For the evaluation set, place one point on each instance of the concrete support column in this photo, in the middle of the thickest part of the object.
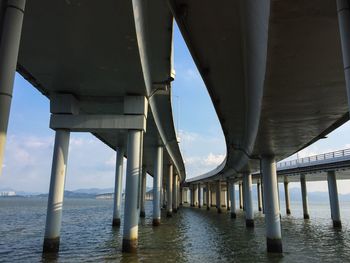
(233, 199)
(11, 28)
(175, 194)
(195, 195)
(169, 211)
(208, 197)
(343, 8)
(218, 197)
(258, 186)
(262, 196)
(143, 192)
(286, 197)
(181, 195)
(240, 196)
(199, 196)
(227, 195)
(157, 185)
(118, 187)
(164, 194)
(55, 200)
(272, 213)
(133, 172)
(191, 195)
(249, 215)
(304, 197)
(333, 198)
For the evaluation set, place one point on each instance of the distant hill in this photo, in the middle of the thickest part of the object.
(71, 194)
(95, 191)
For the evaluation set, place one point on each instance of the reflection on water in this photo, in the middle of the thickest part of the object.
(191, 235)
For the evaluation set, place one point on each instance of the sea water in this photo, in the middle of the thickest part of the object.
(191, 235)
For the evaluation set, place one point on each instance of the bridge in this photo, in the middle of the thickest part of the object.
(206, 191)
(278, 73)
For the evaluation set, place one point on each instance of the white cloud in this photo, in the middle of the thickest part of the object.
(214, 160)
(28, 162)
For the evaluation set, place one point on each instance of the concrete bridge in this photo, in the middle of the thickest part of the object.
(220, 192)
(278, 73)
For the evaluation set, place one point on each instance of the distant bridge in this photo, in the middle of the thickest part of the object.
(221, 192)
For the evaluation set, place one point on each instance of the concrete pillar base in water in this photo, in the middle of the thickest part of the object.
(174, 210)
(249, 223)
(169, 214)
(157, 185)
(218, 197)
(143, 192)
(274, 245)
(333, 199)
(304, 197)
(271, 207)
(337, 224)
(288, 211)
(130, 246)
(133, 171)
(247, 188)
(233, 215)
(51, 245)
(208, 208)
(118, 186)
(116, 222)
(156, 222)
(56, 192)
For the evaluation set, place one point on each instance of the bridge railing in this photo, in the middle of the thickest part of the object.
(315, 158)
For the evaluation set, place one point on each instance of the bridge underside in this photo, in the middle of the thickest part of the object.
(64, 50)
(274, 72)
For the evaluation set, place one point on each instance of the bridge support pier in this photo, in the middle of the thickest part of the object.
(228, 195)
(199, 196)
(133, 171)
(180, 195)
(118, 187)
(233, 199)
(258, 186)
(249, 215)
(175, 194)
(170, 192)
(304, 197)
(286, 197)
(240, 196)
(191, 195)
(218, 197)
(333, 198)
(178, 192)
(9, 46)
(143, 192)
(157, 185)
(272, 213)
(56, 193)
(208, 197)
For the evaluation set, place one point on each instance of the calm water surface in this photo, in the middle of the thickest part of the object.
(192, 235)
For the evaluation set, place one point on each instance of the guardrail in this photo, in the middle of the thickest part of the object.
(315, 158)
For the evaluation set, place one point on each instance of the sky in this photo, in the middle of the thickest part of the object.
(91, 164)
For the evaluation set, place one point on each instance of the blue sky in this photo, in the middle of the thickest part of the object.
(28, 155)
